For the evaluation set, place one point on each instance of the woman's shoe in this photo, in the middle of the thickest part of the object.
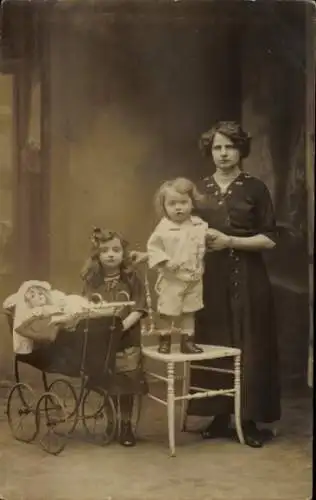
(218, 428)
(252, 435)
(267, 434)
(253, 441)
(164, 344)
(127, 436)
(187, 346)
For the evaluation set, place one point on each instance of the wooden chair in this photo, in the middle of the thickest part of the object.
(186, 361)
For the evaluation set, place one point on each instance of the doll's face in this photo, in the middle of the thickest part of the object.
(36, 297)
(178, 206)
(111, 254)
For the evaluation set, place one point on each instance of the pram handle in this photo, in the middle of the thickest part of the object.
(106, 309)
(110, 305)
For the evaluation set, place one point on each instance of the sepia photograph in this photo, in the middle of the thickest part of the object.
(157, 249)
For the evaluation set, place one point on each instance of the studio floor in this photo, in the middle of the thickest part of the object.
(213, 470)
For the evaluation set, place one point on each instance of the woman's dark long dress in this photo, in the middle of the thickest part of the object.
(238, 303)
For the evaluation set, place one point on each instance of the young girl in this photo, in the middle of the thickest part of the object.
(109, 274)
(176, 250)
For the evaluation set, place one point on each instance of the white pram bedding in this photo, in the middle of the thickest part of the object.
(41, 323)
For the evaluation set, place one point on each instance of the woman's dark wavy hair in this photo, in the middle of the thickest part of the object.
(230, 129)
(93, 272)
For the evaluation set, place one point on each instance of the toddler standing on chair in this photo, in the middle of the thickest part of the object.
(176, 250)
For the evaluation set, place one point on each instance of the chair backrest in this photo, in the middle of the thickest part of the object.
(149, 325)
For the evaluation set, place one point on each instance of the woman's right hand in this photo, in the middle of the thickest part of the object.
(219, 241)
(138, 257)
(212, 234)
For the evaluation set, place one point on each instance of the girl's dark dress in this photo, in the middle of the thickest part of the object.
(238, 304)
(129, 378)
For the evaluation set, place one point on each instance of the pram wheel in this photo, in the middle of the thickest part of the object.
(67, 395)
(51, 420)
(20, 410)
(99, 415)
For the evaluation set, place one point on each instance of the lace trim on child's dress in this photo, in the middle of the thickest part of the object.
(111, 282)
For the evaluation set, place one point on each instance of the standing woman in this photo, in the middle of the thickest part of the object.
(238, 304)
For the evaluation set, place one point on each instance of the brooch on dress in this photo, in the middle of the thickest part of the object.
(111, 282)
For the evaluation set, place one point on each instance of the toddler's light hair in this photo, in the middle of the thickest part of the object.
(182, 186)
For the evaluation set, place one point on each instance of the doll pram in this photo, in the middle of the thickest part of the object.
(88, 354)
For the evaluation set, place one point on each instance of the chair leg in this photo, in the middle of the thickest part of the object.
(185, 390)
(237, 400)
(171, 408)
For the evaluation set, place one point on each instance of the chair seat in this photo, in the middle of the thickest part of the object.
(170, 360)
(209, 352)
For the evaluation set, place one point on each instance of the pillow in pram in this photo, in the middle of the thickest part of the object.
(40, 325)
